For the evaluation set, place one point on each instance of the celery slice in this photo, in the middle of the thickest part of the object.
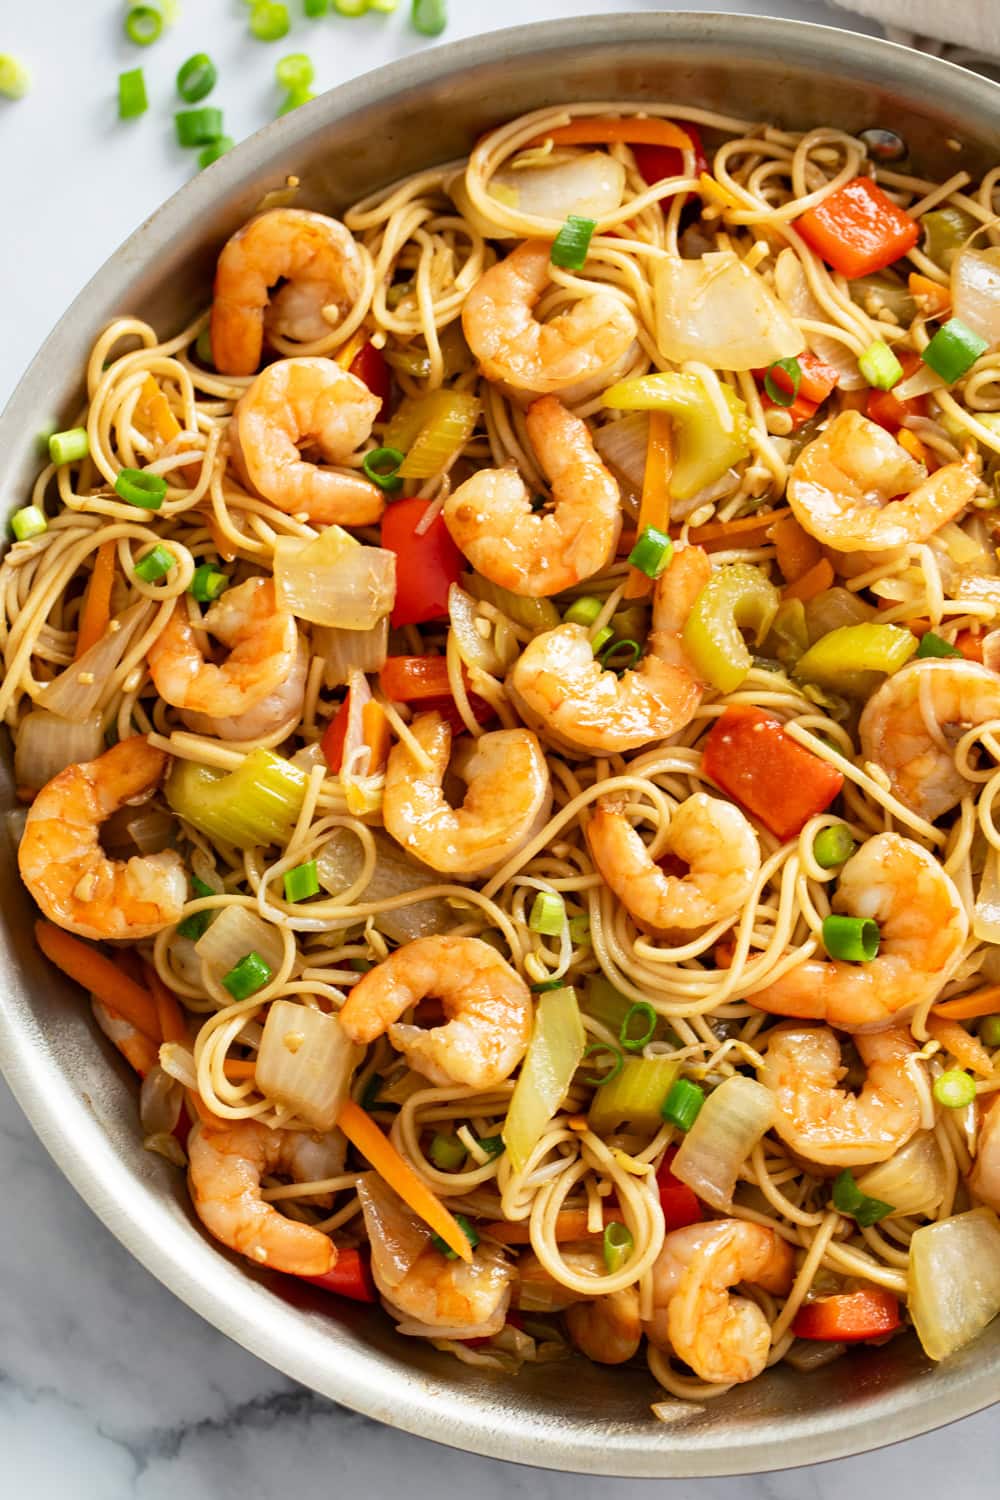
(256, 804)
(553, 1056)
(635, 1096)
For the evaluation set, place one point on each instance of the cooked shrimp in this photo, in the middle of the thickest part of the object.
(984, 1179)
(487, 1004)
(312, 404)
(842, 483)
(282, 706)
(923, 926)
(318, 260)
(264, 647)
(66, 870)
(827, 1124)
(463, 1296)
(910, 724)
(588, 339)
(133, 1044)
(507, 799)
(607, 1330)
(558, 685)
(224, 1171)
(713, 837)
(725, 1340)
(491, 520)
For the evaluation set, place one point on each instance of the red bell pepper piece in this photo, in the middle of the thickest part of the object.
(332, 743)
(858, 229)
(816, 378)
(849, 1317)
(350, 1277)
(657, 162)
(885, 408)
(678, 1201)
(749, 755)
(369, 365)
(423, 682)
(429, 562)
(800, 408)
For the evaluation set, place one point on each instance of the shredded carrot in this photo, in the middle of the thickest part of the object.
(571, 1224)
(238, 1068)
(101, 976)
(985, 1002)
(96, 612)
(966, 1049)
(914, 447)
(818, 578)
(173, 1027)
(602, 130)
(348, 353)
(713, 189)
(932, 298)
(152, 412)
(970, 644)
(376, 734)
(654, 507)
(365, 1136)
(745, 531)
(795, 549)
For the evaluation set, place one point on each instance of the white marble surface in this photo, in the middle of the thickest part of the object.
(110, 1389)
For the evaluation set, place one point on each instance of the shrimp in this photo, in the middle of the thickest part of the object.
(557, 684)
(909, 725)
(842, 483)
(224, 1171)
(307, 403)
(507, 799)
(591, 338)
(282, 706)
(984, 1179)
(491, 520)
(318, 260)
(68, 873)
(713, 837)
(827, 1124)
(923, 925)
(725, 1340)
(607, 1330)
(487, 1004)
(264, 642)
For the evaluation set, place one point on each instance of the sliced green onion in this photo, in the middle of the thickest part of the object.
(381, 465)
(198, 127)
(683, 1104)
(935, 645)
(953, 350)
(776, 392)
(385, 7)
(548, 914)
(196, 78)
(571, 244)
(207, 583)
(269, 21)
(855, 939)
(295, 71)
(15, 78)
(579, 931)
(955, 1089)
(629, 652)
(293, 99)
(652, 552)
(989, 1031)
(617, 1245)
(315, 8)
(429, 17)
(602, 638)
(302, 882)
(132, 98)
(210, 153)
(467, 1230)
(203, 347)
(197, 924)
(640, 1011)
(604, 1049)
(70, 446)
(27, 522)
(143, 24)
(850, 1200)
(447, 1152)
(140, 488)
(249, 975)
(155, 565)
(880, 367)
(544, 985)
(583, 611)
(493, 1145)
(350, 7)
(833, 846)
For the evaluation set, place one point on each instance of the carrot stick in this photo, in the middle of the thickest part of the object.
(745, 531)
(571, 1224)
(914, 447)
(101, 976)
(238, 1068)
(817, 579)
(138, 1050)
(376, 734)
(153, 410)
(173, 1027)
(197, 1106)
(96, 611)
(984, 1002)
(931, 297)
(966, 1049)
(795, 549)
(365, 1136)
(601, 130)
(654, 507)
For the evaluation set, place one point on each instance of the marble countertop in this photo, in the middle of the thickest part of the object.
(110, 1389)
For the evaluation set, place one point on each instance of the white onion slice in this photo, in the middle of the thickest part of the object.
(78, 691)
(975, 292)
(590, 184)
(160, 1099)
(732, 1120)
(953, 1280)
(475, 648)
(347, 651)
(334, 580)
(397, 1236)
(305, 1061)
(235, 932)
(792, 287)
(913, 1180)
(623, 445)
(338, 867)
(986, 915)
(718, 311)
(46, 744)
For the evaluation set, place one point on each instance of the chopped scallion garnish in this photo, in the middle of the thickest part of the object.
(207, 583)
(548, 914)
(953, 350)
(143, 24)
(850, 1200)
(429, 17)
(15, 79)
(652, 552)
(571, 244)
(467, 1230)
(196, 78)
(880, 367)
(211, 153)
(141, 488)
(935, 645)
(583, 611)
(198, 127)
(616, 1063)
(156, 564)
(601, 639)
(617, 1245)
(132, 99)
(780, 394)
(27, 522)
(643, 1015)
(855, 939)
(989, 1031)
(579, 931)
(833, 846)
(683, 1104)
(302, 882)
(620, 656)
(295, 71)
(447, 1152)
(70, 446)
(955, 1089)
(350, 7)
(382, 465)
(269, 21)
(249, 975)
